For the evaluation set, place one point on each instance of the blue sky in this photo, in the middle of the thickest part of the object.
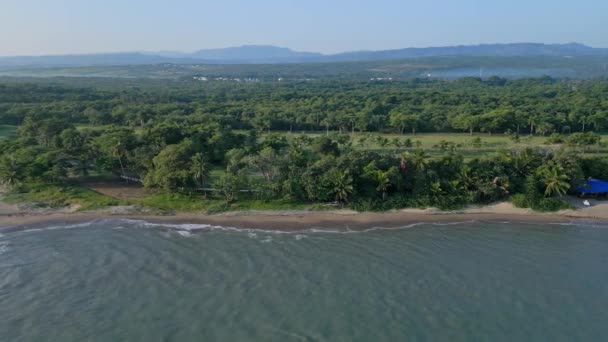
(81, 26)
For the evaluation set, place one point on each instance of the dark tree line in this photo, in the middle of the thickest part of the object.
(538, 106)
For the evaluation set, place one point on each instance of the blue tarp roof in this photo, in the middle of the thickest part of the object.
(594, 186)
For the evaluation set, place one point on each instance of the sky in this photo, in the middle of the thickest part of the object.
(42, 27)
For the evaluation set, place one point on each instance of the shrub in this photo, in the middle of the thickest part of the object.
(476, 142)
(539, 203)
(551, 204)
(520, 201)
(218, 207)
(583, 139)
(555, 138)
(175, 201)
(363, 205)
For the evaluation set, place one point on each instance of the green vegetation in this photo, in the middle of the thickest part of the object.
(493, 106)
(177, 201)
(192, 203)
(445, 67)
(60, 196)
(367, 146)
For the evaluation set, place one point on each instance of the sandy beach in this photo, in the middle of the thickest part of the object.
(11, 217)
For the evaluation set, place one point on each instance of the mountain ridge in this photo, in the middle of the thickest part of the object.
(269, 54)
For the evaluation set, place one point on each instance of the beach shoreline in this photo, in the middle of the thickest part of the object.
(287, 220)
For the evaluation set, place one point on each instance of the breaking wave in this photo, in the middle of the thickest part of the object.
(186, 229)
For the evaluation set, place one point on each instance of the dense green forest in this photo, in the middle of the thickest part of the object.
(219, 141)
(494, 105)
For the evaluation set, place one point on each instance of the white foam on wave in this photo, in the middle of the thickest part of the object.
(573, 223)
(581, 223)
(3, 247)
(184, 226)
(453, 223)
(325, 230)
(68, 226)
(184, 233)
(75, 225)
(184, 229)
(372, 229)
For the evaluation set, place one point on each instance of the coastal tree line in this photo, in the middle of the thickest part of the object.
(527, 106)
(179, 157)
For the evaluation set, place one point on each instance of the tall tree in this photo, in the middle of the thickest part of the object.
(200, 169)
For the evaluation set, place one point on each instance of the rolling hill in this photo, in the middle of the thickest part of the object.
(263, 54)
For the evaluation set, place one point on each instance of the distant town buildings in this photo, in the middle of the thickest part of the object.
(245, 80)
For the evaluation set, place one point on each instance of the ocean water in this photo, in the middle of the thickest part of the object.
(133, 281)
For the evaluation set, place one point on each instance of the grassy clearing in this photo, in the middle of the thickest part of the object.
(269, 205)
(430, 140)
(61, 196)
(178, 202)
(197, 203)
(469, 145)
(92, 127)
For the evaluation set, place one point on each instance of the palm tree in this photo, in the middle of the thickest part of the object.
(436, 192)
(200, 169)
(418, 159)
(523, 162)
(382, 178)
(342, 185)
(118, 151)
(556, 182)
(10, 171)
(466, 178)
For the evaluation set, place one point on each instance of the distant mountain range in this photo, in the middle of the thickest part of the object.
(255, 53)
(262, 54)
(484, 50)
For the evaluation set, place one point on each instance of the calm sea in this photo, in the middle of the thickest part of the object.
(134, 281)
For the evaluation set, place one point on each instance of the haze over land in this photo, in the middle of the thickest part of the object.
(268, 63)
(312, 39)
(262, 54)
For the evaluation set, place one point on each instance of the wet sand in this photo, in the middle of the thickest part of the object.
(340, 219)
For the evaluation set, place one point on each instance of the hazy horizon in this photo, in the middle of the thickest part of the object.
(168, 51)
(39, 27)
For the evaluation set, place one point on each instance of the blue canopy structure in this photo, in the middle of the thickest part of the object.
(594, 186)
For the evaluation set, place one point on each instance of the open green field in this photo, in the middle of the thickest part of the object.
(431, 140)
(436, 144)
